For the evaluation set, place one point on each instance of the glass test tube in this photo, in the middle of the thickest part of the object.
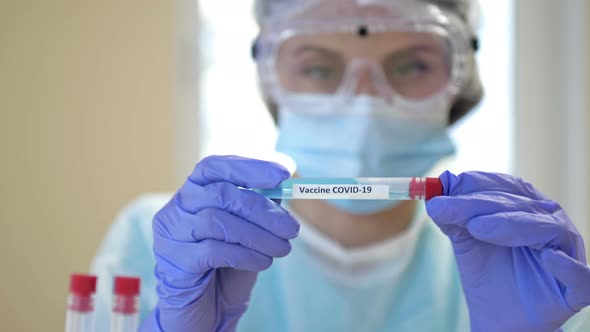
(415, 188)
(80, 311)
(125, 313)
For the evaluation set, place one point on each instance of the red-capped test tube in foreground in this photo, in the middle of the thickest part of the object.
(80, 311)
(125, 315)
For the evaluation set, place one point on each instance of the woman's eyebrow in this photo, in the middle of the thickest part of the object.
(413, 50)
(314, 49)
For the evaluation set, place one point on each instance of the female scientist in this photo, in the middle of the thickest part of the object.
(358, 88)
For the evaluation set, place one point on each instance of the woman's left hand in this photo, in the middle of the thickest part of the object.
(521, 260)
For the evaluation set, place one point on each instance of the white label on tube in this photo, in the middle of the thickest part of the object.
(340, 191)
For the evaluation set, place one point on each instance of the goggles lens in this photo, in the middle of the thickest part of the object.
(413, 65)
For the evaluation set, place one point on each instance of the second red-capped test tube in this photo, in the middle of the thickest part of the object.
(125, 313)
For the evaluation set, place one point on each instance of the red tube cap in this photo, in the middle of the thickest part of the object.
(82, 284)
(434, 188)
(126, 286)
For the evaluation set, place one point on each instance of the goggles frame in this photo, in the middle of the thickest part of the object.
(424, 18)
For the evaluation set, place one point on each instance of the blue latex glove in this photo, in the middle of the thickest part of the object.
(521, 260)
(211, 240)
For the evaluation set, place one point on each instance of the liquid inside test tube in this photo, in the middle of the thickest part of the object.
(415, 188)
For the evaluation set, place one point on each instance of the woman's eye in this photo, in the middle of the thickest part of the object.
(323, 73)
(410, 69)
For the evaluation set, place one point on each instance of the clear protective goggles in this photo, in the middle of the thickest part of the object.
(409, 53)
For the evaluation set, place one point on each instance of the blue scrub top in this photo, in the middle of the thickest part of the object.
(291, 296)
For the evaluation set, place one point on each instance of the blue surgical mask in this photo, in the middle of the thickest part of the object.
(367, 138)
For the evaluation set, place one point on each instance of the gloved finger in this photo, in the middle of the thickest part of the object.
(473, 182)
(520, 229)
(243, 172)
(244, 203)
(220, 225)
(191, 257)
(573, 274)
(182, 283)
(458, 210)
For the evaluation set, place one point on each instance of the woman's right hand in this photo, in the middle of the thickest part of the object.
(212, 239)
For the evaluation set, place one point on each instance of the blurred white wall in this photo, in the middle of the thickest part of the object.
(234, 119)
(485, 137)
(552, 146)
(189, 129)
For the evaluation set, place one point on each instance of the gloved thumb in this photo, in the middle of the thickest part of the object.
(574, 275)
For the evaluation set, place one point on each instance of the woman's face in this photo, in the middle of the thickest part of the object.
(415, 65)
